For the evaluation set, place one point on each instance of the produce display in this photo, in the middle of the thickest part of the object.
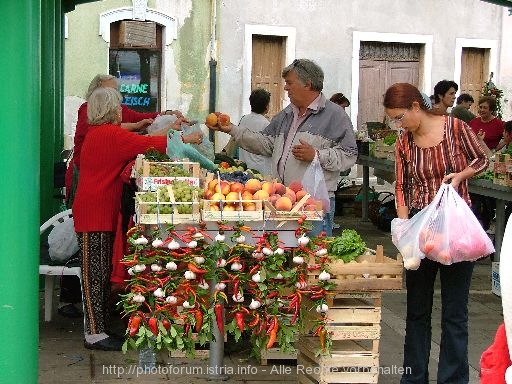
(186, 278)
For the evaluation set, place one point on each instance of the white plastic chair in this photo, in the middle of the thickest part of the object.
(52, 272)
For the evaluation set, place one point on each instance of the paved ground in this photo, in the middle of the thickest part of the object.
(63, 359)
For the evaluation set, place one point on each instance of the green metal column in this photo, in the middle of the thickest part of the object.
(19, 205)
(52, 64)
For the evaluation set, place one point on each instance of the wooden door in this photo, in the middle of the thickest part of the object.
(268, 54)
(375, 77)
(474, 73)
(372, 85)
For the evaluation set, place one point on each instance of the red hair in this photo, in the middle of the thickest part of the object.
(402, 95)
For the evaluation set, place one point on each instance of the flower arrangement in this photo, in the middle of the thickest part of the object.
(490, 89)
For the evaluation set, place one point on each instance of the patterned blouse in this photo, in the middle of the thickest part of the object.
(420, 171)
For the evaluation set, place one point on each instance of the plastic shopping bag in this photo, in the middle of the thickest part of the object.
(206, 146)
(161, 122)
(313, 182)
(177, 149)
(405, 234)
(452, 233)
(62, 241)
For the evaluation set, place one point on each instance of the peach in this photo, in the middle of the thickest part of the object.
(212, 184)
(232, 196)
(218, 196)
(211, 119)
(214, 207)
(279, 188)
(261, 195)
(246, 195)
(224, 119)
(223, 188)
(310, 207)
(290, 191)
(249, 206)
(291, 196)
(268, 187)
(237, 187)
(253, 185)
(228, 207)
(295, 186)
(283, 204)
(208, 194)
(273, 199)
(300, 194)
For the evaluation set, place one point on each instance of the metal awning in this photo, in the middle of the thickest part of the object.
(504, 3)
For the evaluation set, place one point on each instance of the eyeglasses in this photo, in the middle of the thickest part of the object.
(396, 122)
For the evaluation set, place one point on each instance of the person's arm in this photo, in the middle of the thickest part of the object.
(138, 126)
(402, 178)
(131, 116)
(474, 152)
(260, 143)
(82, 126)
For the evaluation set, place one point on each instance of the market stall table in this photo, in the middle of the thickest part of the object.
(502, 194)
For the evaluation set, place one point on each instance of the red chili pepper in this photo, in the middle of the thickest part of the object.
(198, 315)
(192, 267)
(219, 317)
(235, 287)
(134, 325)
(271, 295)
(254, 269)
(254, 321)
(166, 324)
(295, 313)
(239, 318)
(273, 334)
(153, 325)
(186, 329)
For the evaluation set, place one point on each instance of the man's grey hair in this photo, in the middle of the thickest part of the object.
(103, 106)
(97, 82)
(307, 70)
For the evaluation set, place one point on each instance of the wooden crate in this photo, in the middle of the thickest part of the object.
(145, 182)
(217, 210)
(502, 170)
(354, 316)
(383, 151)
(161, 212)
(349, 362)
(271, 354)
(295, 213)
(378, 273)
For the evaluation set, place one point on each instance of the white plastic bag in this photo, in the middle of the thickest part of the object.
(405, 235)
(161, 122)
(446, 231)
(452, 233)
(62, 241)
(313, 182)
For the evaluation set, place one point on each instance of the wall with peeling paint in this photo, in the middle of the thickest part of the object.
(324, 31)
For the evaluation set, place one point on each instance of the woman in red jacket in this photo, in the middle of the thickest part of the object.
(106, 149)
(132, 121)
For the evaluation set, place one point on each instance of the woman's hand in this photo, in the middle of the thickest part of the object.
(177, 124)
(193, 138)
(454, 179)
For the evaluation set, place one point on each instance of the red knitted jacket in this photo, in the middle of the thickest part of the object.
(106, 150)
(82, 126)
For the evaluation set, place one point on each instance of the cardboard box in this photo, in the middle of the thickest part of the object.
(495, 278)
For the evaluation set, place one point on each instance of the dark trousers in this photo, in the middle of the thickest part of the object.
(453, 365)
(96, 255)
